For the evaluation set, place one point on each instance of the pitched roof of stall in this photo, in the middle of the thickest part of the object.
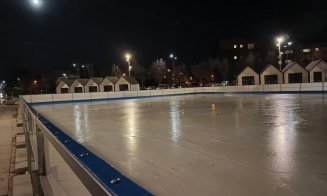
(246, 68)
(67, 81)
(112, 79)
(83, 81)
(266, 67)
(289, 65)
(130, 79)
(312, 65)
(97, 80)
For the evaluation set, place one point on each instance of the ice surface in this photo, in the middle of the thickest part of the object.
(207, 144)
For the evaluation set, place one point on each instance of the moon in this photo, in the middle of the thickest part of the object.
(36, 3)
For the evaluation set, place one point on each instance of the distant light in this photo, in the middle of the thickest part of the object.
(3, 82)
(64, 74)
(171, 56)
(83, 66)
(74, 65)
(124, 74)
(18, 79)
(280, 39)
(36, 3)
(128, 56)
(289, 43)
(35, 82)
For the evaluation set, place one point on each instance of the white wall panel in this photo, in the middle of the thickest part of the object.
(312, 86)
(62, 97)
(291, 87)
(81, 96)
(100, 95)
(272, 87)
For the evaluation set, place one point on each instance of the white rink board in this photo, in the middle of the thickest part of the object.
(62, 179)
(272, 87)
(300, 87)
(99, 95)
(311, 86)
(291, 87)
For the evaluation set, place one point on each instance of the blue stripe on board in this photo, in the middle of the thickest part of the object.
(195, 93)
(99, 169)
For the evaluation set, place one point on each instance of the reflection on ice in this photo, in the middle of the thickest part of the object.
(282, 136)
(175, 120)
(131, 125)
(80, 125)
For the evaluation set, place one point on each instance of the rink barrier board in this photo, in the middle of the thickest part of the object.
(169, 95)
(107, 96)
(77, 156)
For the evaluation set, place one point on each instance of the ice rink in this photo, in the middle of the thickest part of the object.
(207, 144)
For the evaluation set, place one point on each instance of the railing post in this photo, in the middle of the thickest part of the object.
(40, 151)
(323, 87)
(280, 87)
(28, 146)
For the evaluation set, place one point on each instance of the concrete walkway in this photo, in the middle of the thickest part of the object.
(6, 127)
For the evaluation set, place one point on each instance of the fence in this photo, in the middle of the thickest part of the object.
(60, 166)
(274, 88)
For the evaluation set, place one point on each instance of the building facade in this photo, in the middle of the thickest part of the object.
(271, 75)
(317, 71)
(248, 77)
(295, 73)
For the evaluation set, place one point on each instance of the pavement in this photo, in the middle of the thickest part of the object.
(6, 137)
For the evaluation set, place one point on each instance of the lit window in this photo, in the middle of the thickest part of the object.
(307, 50)
(235, 46)
(241, 46)
(251, 46)
(235, 57)
(317, 49)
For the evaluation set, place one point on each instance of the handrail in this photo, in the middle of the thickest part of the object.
(97, 176)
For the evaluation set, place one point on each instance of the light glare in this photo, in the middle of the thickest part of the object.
(280, 39)
(36, 3)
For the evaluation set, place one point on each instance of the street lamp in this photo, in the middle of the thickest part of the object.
(173, 58)
(128, 58)
(279, 40)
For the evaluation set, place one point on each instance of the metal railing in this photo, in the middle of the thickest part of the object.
(95, 175)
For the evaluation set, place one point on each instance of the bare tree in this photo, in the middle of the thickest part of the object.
(115, 70)
(158, 68)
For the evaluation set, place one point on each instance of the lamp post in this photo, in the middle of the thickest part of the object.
(128, 59)
(77, 70)
(279, 42)
(173, 58)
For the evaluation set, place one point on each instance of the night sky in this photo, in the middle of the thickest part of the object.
(62, 32)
